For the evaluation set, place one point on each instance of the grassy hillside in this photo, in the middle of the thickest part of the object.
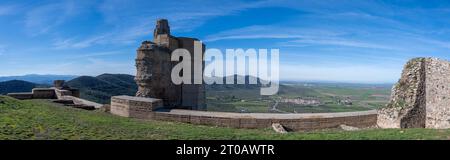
(16, 86)
(40, 119)
(101, 88)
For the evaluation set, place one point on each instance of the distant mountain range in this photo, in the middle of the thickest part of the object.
(38, 79)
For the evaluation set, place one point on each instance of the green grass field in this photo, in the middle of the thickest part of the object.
(41, 119)
(364, 97)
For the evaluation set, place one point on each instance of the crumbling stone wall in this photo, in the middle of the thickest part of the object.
(154, 67)
(419, 100)
(438, 94)
(153, 73)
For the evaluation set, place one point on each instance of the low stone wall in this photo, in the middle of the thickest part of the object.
(55, 93)
(293, 122)
(79, 101)
(66, 92)
(147, 108)
(134, 107)
(37, 93)
(21, 96)
(44, 93)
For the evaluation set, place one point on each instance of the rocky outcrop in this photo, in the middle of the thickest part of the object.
(421, 98)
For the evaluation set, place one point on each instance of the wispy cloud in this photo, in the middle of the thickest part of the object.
(270, 32)
(295, 37)
(135, 21)
(41, 19)
(73, 43)
(368, 35)
(336, 42)
(95, 54)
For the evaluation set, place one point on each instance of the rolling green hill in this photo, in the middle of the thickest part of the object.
(16, 86)
(19, 120)
(101, 88)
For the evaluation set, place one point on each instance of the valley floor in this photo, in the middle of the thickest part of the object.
(41, 119)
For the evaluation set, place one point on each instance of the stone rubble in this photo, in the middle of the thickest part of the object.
(348, 128)
(277, 127)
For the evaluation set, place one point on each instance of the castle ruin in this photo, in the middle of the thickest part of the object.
(421, 98)
(154, 67)
(158, 98)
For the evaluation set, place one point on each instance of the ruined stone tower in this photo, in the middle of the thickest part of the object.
(154, 67)
(421, 98)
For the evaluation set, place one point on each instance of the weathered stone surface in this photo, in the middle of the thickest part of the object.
(105, 108)
(136, 107)
(79, 101)
(153, 73)
(58, 84)
(162, 27)
(420, 98)
(278, 128)
(348, 128)
(21, 96)
(44, 93)
(154, 67)
(291, 122)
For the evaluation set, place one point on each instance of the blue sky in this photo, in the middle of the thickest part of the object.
(346, 41)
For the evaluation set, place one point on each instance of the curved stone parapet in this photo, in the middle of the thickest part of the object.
(294, 122)
(144, 108)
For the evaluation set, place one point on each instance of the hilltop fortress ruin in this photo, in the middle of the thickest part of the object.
(159, 99)
(420, 99)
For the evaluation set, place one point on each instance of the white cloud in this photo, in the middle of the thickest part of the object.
(302, 37)
(96, 54)
(78, 44)
(133, 21)
(338, 42)
(42, 19)
(271, 32)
